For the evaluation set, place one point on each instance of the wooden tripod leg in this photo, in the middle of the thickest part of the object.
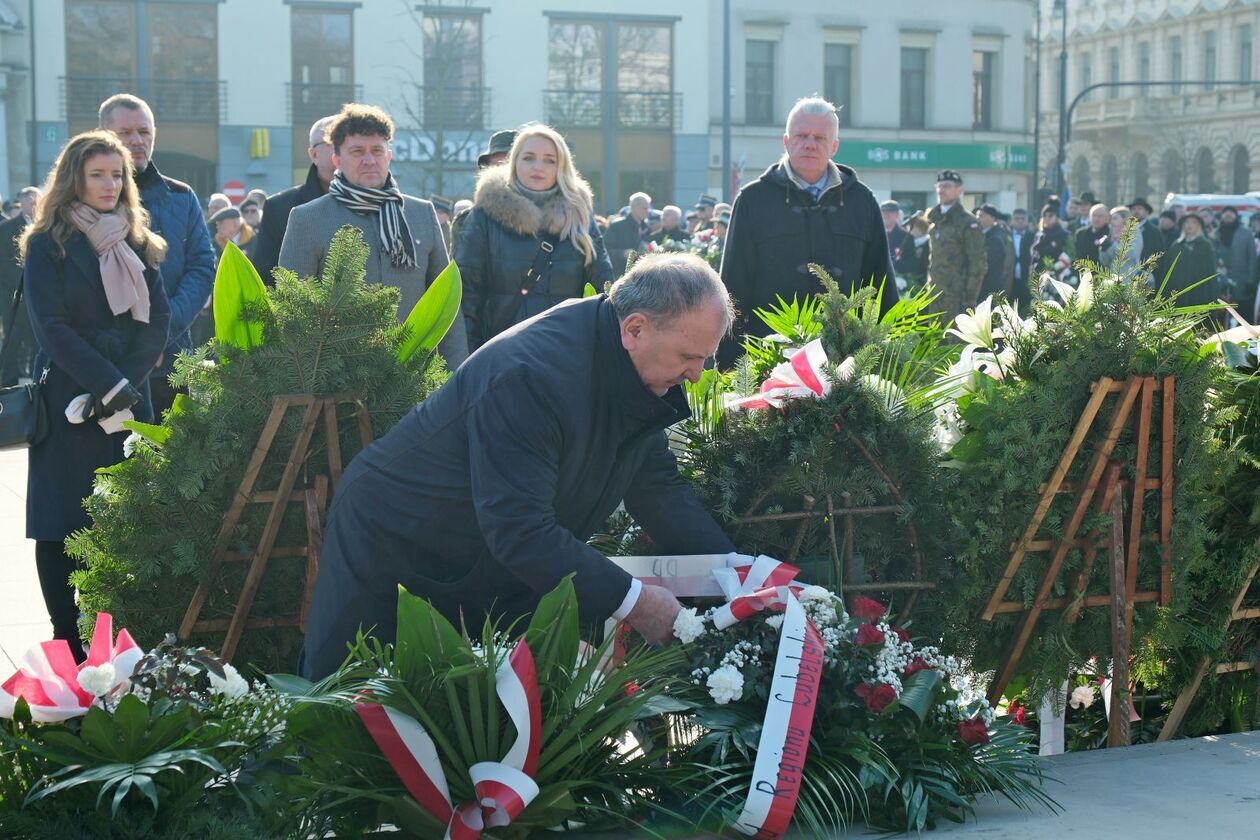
(1124, 407)
(315, 501)
(279, 407)
(1118, 724)
(1137, 502)
(1166, 482)
(333, 441)
(270, 530)
(1184, 699)
(1047, 497)
(1111, 484)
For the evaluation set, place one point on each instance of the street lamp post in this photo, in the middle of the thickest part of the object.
(726, 101)
(1060, 6)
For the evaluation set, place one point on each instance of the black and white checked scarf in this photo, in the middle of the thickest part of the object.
(387, 204)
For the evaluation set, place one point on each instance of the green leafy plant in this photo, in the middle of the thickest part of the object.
(433, 314)
(238, 294)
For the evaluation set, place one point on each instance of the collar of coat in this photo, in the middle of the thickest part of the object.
(956, 210)
(621, 382)
(494, 195)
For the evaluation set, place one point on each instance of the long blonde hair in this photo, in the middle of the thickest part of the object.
(577, 195)
(65, 187)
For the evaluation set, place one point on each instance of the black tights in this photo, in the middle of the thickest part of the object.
(54, 569)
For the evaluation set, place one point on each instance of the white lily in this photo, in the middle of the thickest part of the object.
(1014, 326)
(976, 325)
(1083, 294)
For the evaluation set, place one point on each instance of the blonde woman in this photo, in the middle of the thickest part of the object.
(100, 315)
(531, 239)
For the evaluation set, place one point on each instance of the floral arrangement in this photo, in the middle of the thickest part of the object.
(704, 245)
(901, 738)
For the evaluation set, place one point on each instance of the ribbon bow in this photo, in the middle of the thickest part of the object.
(767, 585)
(803, 375)
(48, 678)
(503, 788)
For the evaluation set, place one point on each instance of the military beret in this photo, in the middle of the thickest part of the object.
(990, 211)
(949, 175)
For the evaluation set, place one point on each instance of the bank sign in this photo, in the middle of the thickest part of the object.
(866, 155)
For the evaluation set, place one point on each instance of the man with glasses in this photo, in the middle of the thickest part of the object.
(275, 219)
(405, 245)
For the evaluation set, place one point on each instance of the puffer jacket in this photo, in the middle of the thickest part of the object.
(188, 270)
(498, 243)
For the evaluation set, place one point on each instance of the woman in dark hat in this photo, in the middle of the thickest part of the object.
(229, 226)
(1191, 258)
(1050, 242)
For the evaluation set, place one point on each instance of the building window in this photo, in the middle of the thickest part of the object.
(575, 56)
(1174, 62)
(1113, 71)
(1244, 52)
(759, 82)
(1209, 58)
(1144, 61)
(645, 75)
(838, 79)
(982, 90)
(323, 71)
(453, 94)
(914, 62)
(100, 54)
(1087, 74)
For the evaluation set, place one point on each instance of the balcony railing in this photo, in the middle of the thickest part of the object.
(627, 109)
(442, 107)
(309, 102)
(172, 100)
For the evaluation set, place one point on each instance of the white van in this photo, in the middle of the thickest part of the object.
(1214, 203)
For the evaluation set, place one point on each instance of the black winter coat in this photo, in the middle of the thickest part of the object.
(275, 222)
(1048, 245)
(482, 498)
(777, 230)
(1189, 261)
(499, 242)
(88, 349)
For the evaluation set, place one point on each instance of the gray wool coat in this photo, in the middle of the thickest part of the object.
(311, 228)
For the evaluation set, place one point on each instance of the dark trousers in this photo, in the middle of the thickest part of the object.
(54, 568)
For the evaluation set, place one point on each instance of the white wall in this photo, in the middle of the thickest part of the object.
(255, 51)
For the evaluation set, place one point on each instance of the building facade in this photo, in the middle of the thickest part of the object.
(636, 88)
(922, 87)
(1178, 123)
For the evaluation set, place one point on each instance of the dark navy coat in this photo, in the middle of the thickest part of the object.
(482, 498)
(87, 349)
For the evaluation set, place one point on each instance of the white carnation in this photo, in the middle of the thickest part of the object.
(129, 444)
(775, 621)
(98, 680)
(726, 684)
(810, 594)
(1082, 697)
(688, 626)
(232, 685)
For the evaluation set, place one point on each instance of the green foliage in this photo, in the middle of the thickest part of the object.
(433, 314)
(744, 464)
(238, 294)
(445, 679)
(1015, 431)
(156, 515)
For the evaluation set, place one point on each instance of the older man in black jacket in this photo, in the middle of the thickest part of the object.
(275, 222)
(482, 498)
(804, 209)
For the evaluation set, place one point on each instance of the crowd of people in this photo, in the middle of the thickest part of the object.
(116, 264)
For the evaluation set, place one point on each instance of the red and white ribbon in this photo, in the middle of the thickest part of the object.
(48, 678)
(776, 780)
(802, 375)
(503, 788)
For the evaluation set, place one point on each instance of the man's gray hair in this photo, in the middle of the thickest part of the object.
(664, 286)
(121, 100)
(814, 106)
(640, 198)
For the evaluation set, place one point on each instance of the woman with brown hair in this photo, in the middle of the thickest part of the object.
(99, 313)
(531, 240)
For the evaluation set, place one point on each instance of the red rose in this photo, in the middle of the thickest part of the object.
(916, 666)
(973, 731)
(632, 688)
(868, 609)
(1020, 716)
(901, 634)
(877, 697)
(869, 634)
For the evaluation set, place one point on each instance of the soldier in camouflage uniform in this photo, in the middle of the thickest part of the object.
(956, 259)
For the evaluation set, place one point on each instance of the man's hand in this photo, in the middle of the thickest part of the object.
(654, 613)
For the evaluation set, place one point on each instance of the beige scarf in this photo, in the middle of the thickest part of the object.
(122, 272)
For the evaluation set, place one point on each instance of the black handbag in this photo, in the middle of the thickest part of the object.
(23, 417)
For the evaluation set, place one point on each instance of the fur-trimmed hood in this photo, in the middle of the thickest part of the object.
(495, 195)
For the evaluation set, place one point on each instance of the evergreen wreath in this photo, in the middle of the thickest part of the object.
(156, 515)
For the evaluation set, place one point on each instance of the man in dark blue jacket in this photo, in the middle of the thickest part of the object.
(482, 498)
(175, 213)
